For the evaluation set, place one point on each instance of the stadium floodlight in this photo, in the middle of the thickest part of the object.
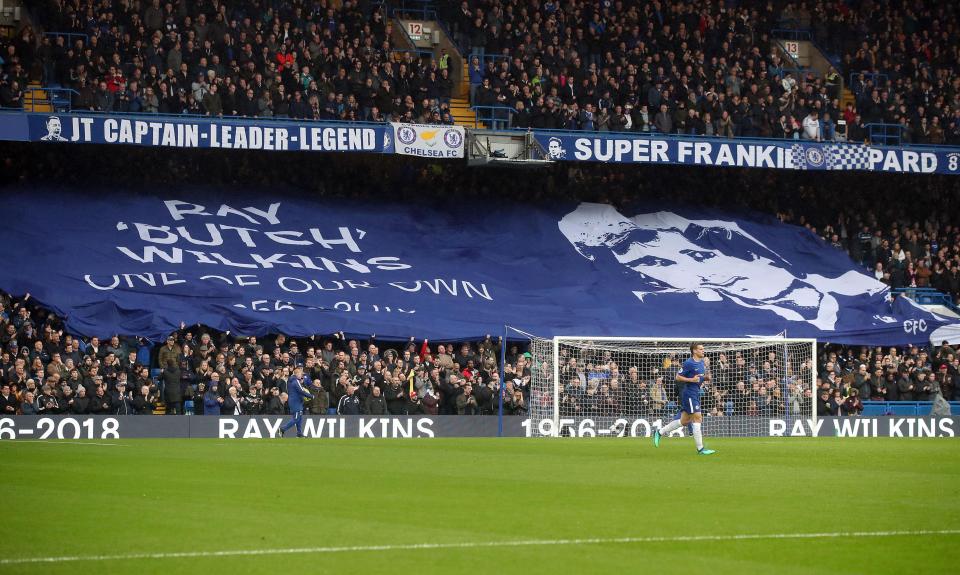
(620, 386)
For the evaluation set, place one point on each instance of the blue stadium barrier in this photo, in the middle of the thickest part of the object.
(926, 296)
(903, 408)
(874, 409)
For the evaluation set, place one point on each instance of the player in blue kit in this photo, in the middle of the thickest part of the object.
(692, 376)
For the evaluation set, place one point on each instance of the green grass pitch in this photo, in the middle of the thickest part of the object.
(149, 497)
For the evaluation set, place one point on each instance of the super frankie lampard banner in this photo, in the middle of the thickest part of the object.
(776, 154)
(112, 262)
(205, 132)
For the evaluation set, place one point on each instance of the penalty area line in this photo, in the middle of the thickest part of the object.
(474, 545)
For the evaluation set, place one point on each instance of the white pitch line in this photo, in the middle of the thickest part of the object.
(472, 545)
(63, 442)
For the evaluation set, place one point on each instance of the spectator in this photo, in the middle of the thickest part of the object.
(173, 394)
(121, 401)
(350, 404)
(212, 399)
(28, 405)
(8, 401)
(812, 127)
(144, 401)
(663, 120)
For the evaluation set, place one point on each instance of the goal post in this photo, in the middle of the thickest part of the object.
(625, 386)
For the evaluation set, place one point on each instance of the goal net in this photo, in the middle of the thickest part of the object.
(585, 386)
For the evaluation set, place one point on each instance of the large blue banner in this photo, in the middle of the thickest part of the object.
(206, 132)
(254, 263)
(777, 154)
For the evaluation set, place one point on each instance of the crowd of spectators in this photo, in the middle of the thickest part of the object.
(304, 60)
(849, 375)
(709, 68)
(703, 68)
(197, 371)
(674, 67)
(752, 382)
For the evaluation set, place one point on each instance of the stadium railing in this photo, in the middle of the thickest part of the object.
(903, 408)
(884, 134)
(69, 36)
(59, 98)
(419, 52)
(422, 9)
(495, 117)
(925, 296)
(877, 78)
(790, 34)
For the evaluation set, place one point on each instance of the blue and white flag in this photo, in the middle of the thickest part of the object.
(113, 262)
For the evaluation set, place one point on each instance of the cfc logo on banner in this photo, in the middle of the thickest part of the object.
(406, 135)
(452, 138)
(814, 157)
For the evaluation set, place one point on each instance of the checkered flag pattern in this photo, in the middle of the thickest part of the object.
(849, 157)
(799, 158)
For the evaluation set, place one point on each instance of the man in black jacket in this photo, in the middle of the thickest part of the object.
(120, 401)
(349, 404)
(8, 401)
(100, 403)
(172, 394)
(375, 403)
(143, 402)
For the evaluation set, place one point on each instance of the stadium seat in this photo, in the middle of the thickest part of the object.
(874, 409)
(903, 408)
